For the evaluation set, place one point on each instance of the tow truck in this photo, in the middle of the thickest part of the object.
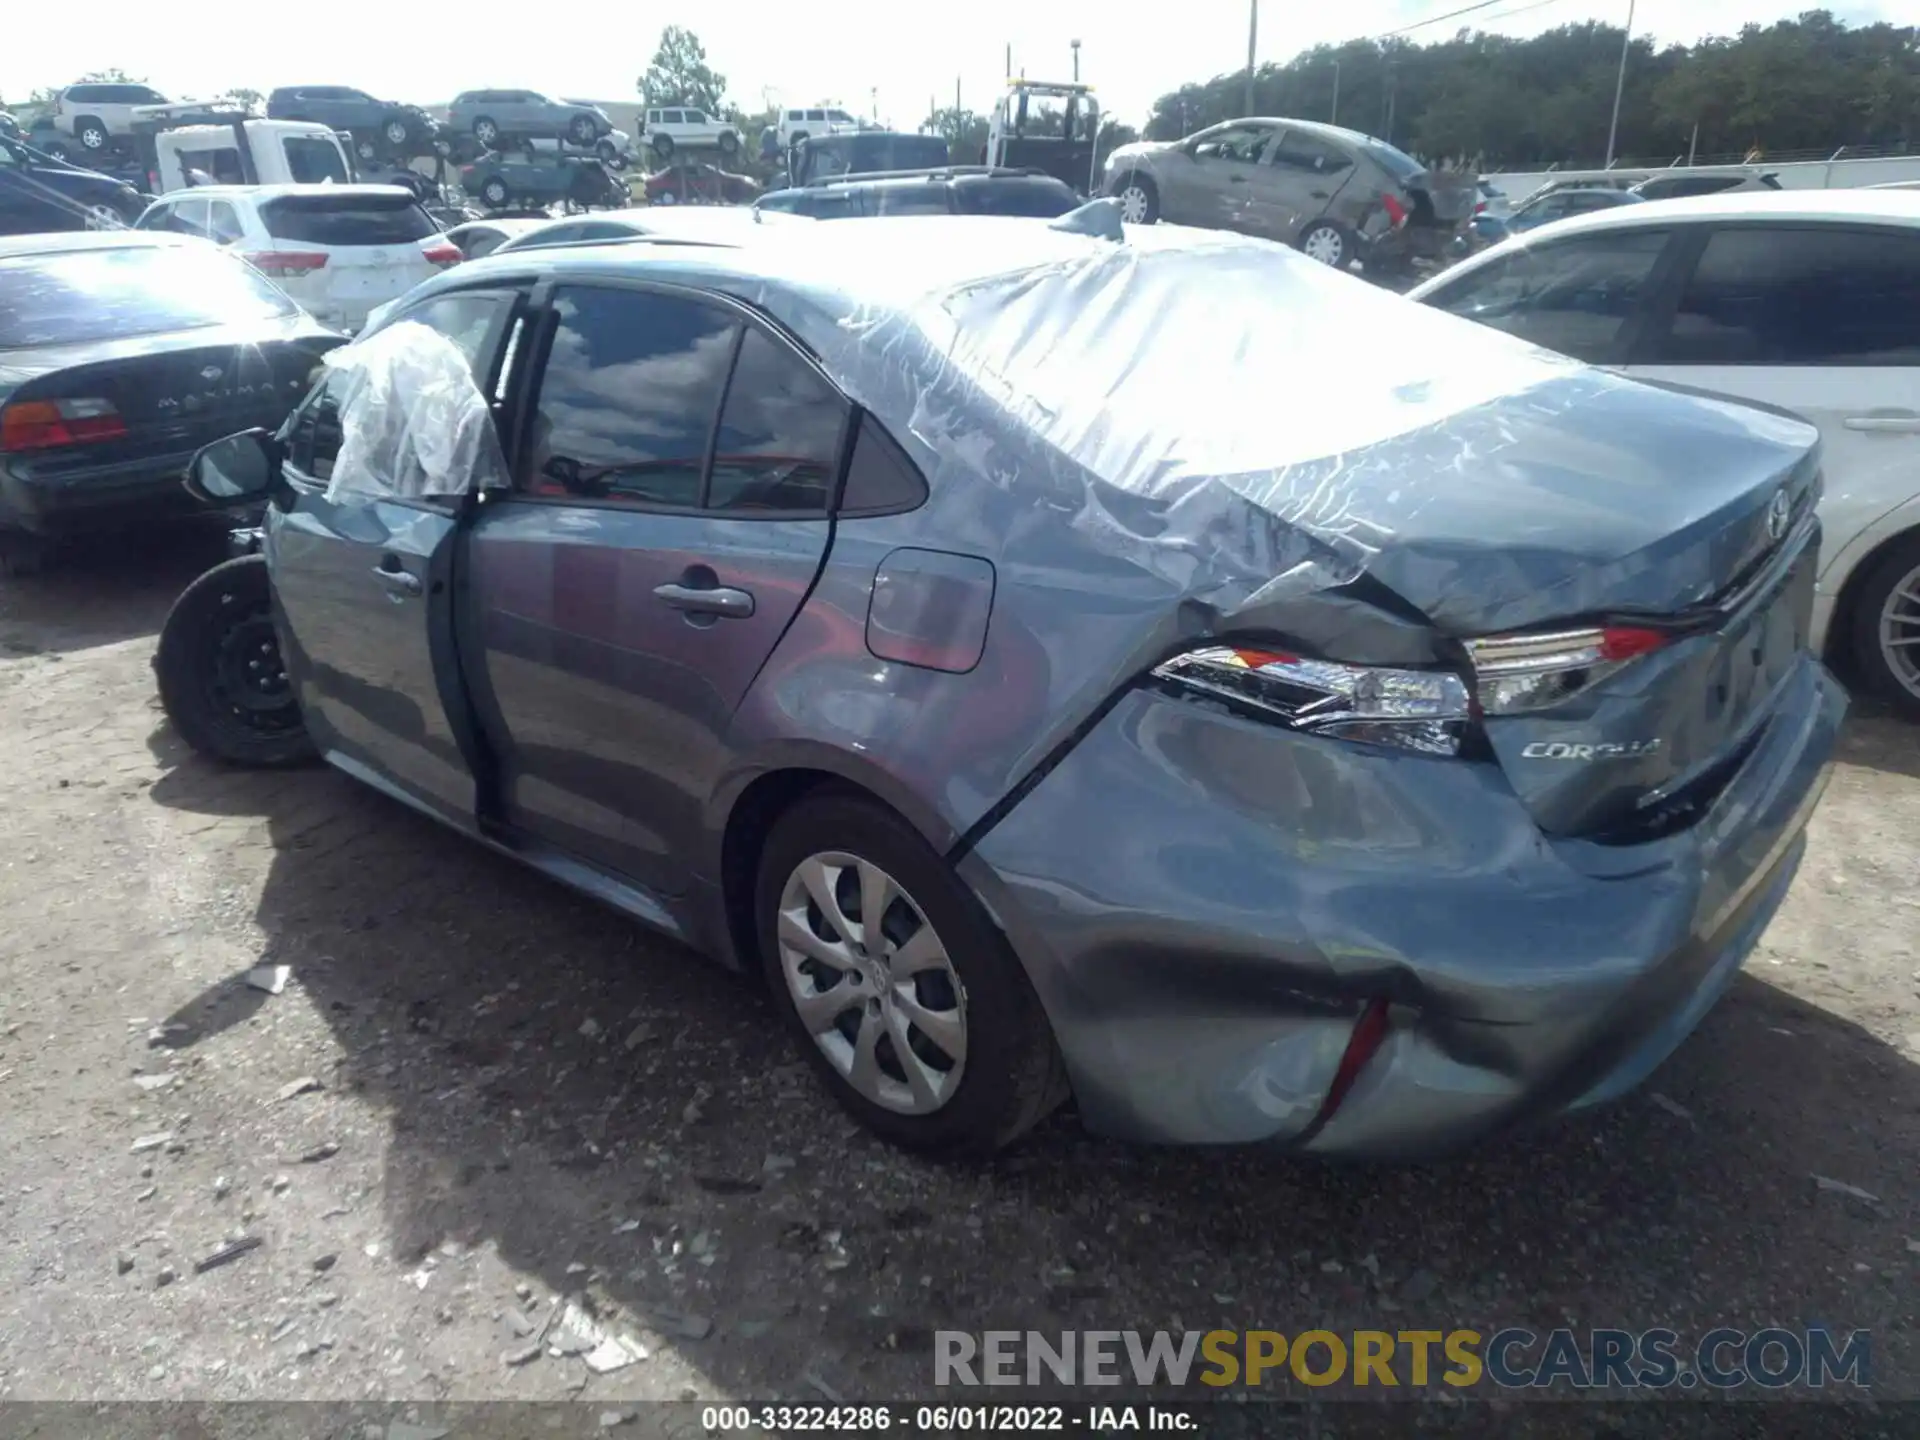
(1026, 132)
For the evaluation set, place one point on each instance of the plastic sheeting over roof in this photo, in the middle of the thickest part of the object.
(1245, 424)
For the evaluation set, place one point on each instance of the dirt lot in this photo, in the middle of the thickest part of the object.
(514, 1096)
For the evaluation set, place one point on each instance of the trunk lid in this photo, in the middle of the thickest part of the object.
(1637, 508)
(172, 396)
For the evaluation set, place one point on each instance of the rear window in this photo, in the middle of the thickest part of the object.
(1039, 199)
(347, 219)
(313, 161)
(866, 153)
(83, 295)
(1397, 163)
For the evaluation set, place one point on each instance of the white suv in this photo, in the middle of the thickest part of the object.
(814, 120)
(95, 113)
(340, 250)
(669, 128)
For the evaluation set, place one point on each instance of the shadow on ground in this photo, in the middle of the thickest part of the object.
(458, 986)
(100, 589)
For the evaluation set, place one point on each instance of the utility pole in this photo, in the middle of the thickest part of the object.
(1076, 61)
(1253, 34)
(1393, 94)
(1009, 60)
(1334, 118)
(1619, 84)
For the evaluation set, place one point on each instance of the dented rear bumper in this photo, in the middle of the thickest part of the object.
(1207, 905)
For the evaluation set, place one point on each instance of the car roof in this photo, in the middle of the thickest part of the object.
(674, 221)
(1809, 206)
(61, 242)
(275, 192)
(885, 263)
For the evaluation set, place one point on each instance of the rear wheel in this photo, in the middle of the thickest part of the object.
(663, 145)
(1886, 626)
(583, 130)
(395, 130)
(1327, 242)
(496, 194)
(906, 998)
(485, 131)
(1139, 200)
(222, 681)
(729, 143)
(365, 149)
(91, 134)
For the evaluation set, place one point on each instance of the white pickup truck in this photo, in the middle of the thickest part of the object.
(248, 152)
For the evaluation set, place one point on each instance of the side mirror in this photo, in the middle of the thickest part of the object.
(240, 467)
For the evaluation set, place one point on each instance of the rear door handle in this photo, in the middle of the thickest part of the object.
(399, 584)
(720, 600)
(1891, 422)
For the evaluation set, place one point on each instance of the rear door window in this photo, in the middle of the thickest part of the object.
(628, 397)
(1807, 295)
(223, 222)
(1297, 150)
(779, 441)
(1576, 296)
(346, 219)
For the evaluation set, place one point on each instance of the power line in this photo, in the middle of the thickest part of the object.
(1450, 15)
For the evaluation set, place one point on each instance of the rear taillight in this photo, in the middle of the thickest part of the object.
(1396, 212)
(444, 254)
(1422, 710)
(286, 264)
(1480, 208)
(1514, 673)
(49, 424)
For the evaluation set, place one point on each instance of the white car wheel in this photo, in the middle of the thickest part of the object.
(1326, 243)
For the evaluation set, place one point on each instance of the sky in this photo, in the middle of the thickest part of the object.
(774, 51)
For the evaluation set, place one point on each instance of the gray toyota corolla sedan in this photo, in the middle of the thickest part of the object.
(1157, 670)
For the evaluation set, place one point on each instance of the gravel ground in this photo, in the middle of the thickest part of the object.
(479, 1095)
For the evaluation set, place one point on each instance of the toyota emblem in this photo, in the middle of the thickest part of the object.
(1779, 511)
(211, 372)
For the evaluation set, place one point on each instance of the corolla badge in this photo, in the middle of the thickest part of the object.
(1779, 511)
(1567, 750)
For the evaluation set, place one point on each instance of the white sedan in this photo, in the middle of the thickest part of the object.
(1804, 300)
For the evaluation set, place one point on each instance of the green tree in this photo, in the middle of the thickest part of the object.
(680, 74)
(1807, 84)
(965, 132)
(241, 99)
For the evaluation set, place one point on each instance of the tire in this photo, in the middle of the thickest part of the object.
(583, 130)
(729, 144)
(104, 217)
(396, 130)
(495, 193)
(1008, 1074)
(365, 149)
(1885, 610)
(219, 671)
(1139, 199)
(485, 131)
(662, 145)
(1328, 242)
(609, 155)
(91, 134)
(798, 136)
